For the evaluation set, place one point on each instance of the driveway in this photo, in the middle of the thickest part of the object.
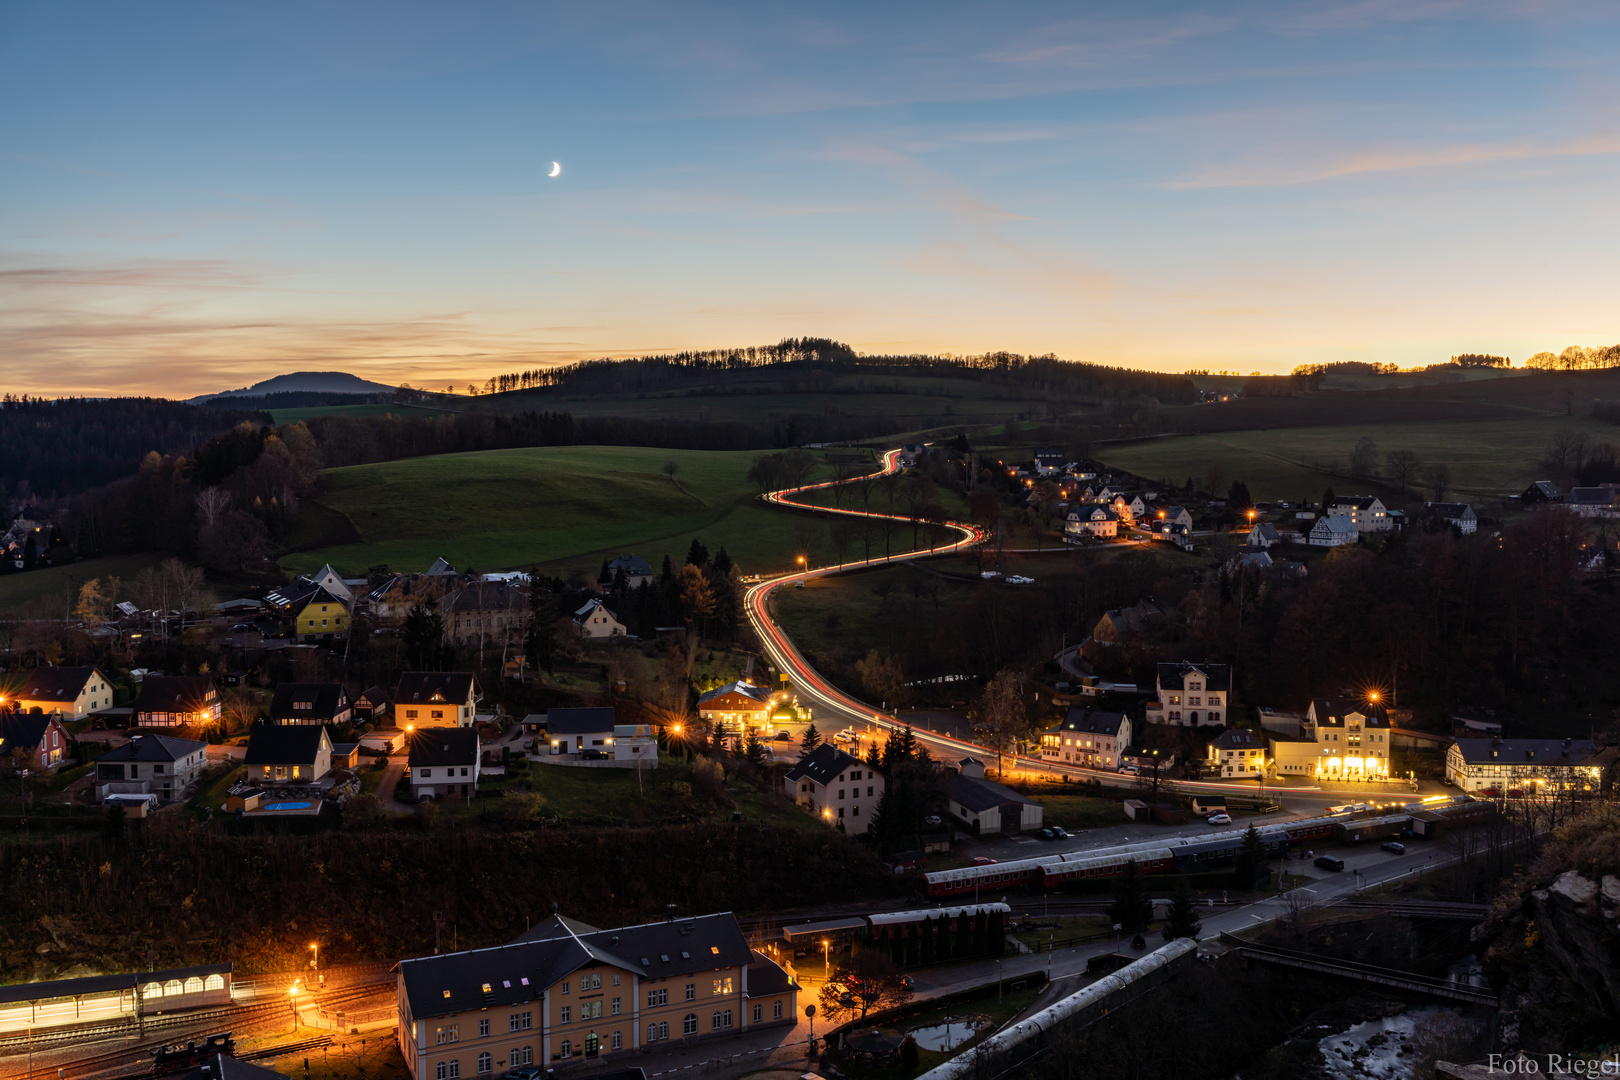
(392, 775)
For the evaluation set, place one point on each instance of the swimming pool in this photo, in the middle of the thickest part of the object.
(288, 806)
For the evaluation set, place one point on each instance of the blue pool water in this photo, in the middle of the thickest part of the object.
(289, 806)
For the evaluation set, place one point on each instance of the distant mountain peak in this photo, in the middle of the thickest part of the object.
(320, 382)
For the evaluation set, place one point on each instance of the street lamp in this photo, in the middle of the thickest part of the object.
(826, 958)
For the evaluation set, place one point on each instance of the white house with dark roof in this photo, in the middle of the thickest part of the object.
(1097, 521)
(293, 754)
(310, 703)
(1366, 512)
(1191, 694)
(160, 765)
(986, 807)
(1335, 531)
(1593, 501)
(596, 622)
(1459, 516)
(1236, 754)
(1264, 535)
(444, 762)
(1089, 737)
(835, 786)
(1528, 765)
(637, 571)
(566, 993)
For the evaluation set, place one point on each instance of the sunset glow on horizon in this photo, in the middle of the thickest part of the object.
(200, 197)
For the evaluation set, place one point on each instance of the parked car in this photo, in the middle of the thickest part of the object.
(983, 860)
(1060, 832)
(843, 736)
(1128, 768)
(1393, 846)
(1219, 818)
(908, 982)
(1045, 834)
(1019, 579)
(593, 755)
(525, 1072)
(933, 819)
(1328, 862)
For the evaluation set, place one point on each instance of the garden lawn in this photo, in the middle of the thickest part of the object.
(61, 583)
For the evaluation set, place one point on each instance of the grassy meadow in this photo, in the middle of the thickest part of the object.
(60, 584)
(1487, 457)
(561, 507)
(310, 412)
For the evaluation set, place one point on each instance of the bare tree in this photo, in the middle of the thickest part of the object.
(671, 467)
(999, 718)
(1439, 477)
(1403, 466)
(1363, 457)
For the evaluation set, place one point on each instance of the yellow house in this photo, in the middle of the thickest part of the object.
(566, 992)
(323, 618)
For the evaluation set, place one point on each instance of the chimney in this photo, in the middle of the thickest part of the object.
(554, 907)
(670, 909)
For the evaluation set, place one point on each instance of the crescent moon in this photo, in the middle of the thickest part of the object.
(555, 169)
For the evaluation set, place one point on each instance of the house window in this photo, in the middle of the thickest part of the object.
(447, 1033)
(618, 1041)
(441, 1071)
(715, 1025)
(689, 1025)
(759, 1013)
(483, 1033)
(776, 1011)
(455, 1069)
(615, 980)
(691, 991)
(722, 986)
(438, 714)
(567, 1048)
(567, 1016)
(657, 997)
(618, 1006)
(522, 1021)
(586, 982)
(590, 1010)
(726, 1019)
(486, 1063)
(426, 773)
(410, 714)
(840, 793)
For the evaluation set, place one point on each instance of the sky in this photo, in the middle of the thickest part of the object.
(197, 196)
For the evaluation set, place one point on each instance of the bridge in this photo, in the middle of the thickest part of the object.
(1349, 969)
(1421, 909)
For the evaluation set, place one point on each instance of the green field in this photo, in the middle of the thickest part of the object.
(561, 507)
(310, 412)
(1486, 457)
(56, 583)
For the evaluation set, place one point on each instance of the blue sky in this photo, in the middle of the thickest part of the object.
(197, 196)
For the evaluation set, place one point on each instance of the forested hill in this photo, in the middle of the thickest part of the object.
(56, 448)
(805, 357)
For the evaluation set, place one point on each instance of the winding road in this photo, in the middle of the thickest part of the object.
(828, 701)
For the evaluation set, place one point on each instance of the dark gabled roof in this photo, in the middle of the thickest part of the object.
(746, 689)
(978, 794)
(63, 684)
(632, 565)
(521, 971)
(420, 687)
(1217, 677)
(153, 748)
(579, 721)
(1526, 751)
(22, 730)
(1238, 740)
(1092, 721)
(173, 693)
(293, 595)
(1330, 712)
(225, 1067)
(373, 696)
(291, 744)
(1449, 511)
(1335, 523)
(1590, 496)
(824, 764)
(444, 746)
(1360, 502)
(766, 977)
(321, 596)
(1543, 489)
(1268, 531)
(485, 596)
(324, 699)
(591, 605)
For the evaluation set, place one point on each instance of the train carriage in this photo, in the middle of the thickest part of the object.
(1083, 865)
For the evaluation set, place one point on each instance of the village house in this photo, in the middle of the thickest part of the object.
(1264, 535)
(1593, 501)
(1237, 753)
(288, 755)
(444, 762)
(736, 706)
(323, 617)
(840, 789)
(160, 765)
(392, 599)
(1049, 460)
(1335, 531)
(1542, 491)
(1366, 512)
(1499, 766)
(436, 699)
(176, 701)
(75, 692)
(596, 734)
(485, 613)
(1136, 507)
(1459, 516)
(1089, 737)
(1118, 624)
(596, 622)
(636, 570)
(370, 706)
(1096, 521)
(1190, 694)
(1338, 740)
(34, 741)
(566, 992)
(986, 807)
(1177, 516)
(310, 703)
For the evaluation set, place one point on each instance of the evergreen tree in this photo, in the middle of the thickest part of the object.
(1238, 496)
(540, 640)
(926, 929)
(423, 637)
(810, 740)
(1327, 500)
(979, 929)
(697, 554)
(753, 749)
(996, 933)
(721, 563)
(1132, 909)
(603, 576)
(1183, 917)
(1250, 859)
(667, 574)
(874, 756)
